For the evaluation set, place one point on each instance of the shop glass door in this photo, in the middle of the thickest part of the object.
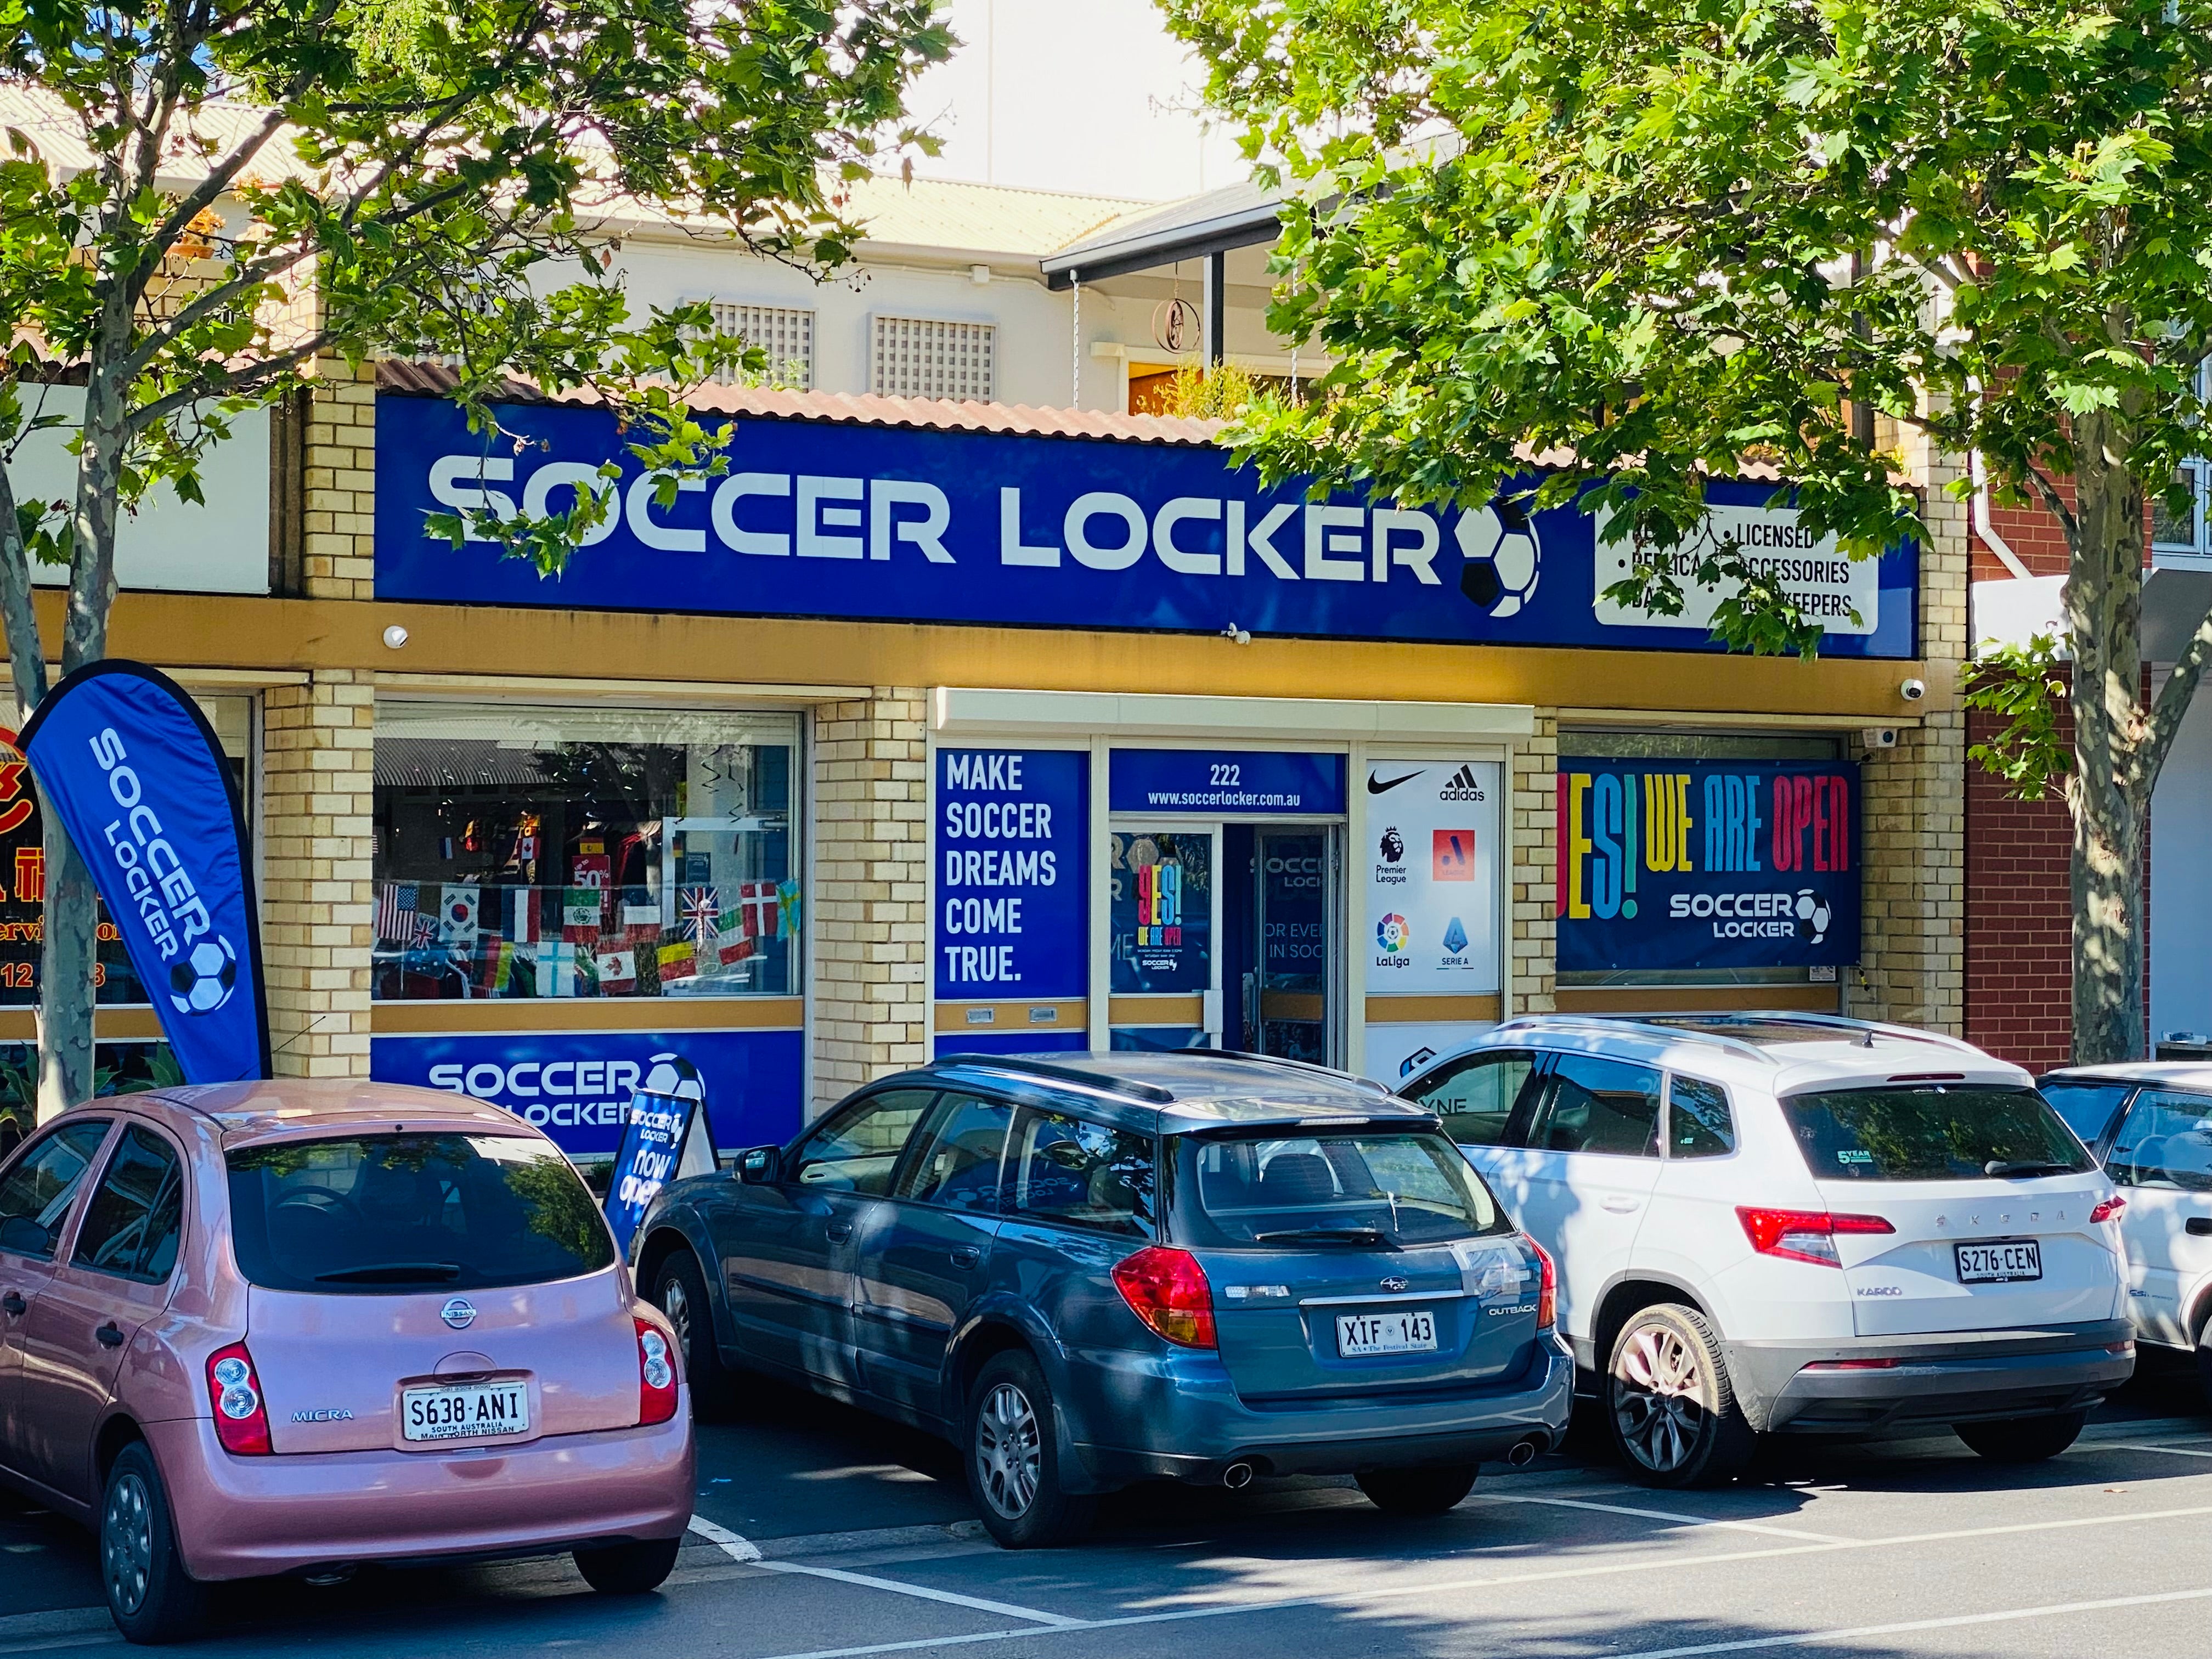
(1286, 991)
(1163, 918)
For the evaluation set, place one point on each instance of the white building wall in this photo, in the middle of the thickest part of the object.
(2181, 882)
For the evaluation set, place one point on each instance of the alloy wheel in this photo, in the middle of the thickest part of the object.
(678, 1307)
(1008, 1451)
(126, 1542)
(1658, 1398)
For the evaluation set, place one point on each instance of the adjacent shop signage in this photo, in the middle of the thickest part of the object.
(1011, 904)
(1224, 780)
(1707, 864)
(827, 519)
(577, 1085)
(1433, 830)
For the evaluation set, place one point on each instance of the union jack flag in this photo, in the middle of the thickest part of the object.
(425, 933)
(702, 910)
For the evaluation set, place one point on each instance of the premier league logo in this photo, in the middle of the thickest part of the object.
(201, 980)
(1503, 557)
(1394, 847)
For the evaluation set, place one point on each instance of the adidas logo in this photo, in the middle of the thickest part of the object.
(1463, 786)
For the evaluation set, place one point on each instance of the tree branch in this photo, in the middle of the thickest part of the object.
(2164, 722)
(19, 618)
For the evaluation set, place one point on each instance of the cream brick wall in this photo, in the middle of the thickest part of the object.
(338, 484)
(1914, 819)
(1533, 804)
(868, 891)
(317, 904)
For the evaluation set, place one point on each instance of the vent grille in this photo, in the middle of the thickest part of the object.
(786, 333)
(925, 357)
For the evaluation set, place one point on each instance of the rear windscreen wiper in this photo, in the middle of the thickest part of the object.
(393, 1272)
(2003, 1167)
(1368, 1235)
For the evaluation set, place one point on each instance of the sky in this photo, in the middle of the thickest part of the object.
(1085, 95)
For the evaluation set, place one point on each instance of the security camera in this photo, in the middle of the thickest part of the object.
(1913, 690)
(1879, 736)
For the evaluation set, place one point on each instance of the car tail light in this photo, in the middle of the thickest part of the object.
(1547, 1287)
(1804, 1235)
(241, 1416)
(2109, 1208)
(656, 1375)
(1167, 1289)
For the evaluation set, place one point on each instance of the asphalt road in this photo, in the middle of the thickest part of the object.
(844, 1536)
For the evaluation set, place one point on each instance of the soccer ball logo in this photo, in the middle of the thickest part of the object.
(1503, 555)
(1813, 910)
(202, 982)
(1394, 847)
(1391, 933)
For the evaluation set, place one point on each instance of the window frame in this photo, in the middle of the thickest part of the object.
(834, 1122)
(2153, 1092)
(113, 1152)
(2106, 1137)
(1539, 1061)
(2199, 549)
(65, 1228)
(923, 1137)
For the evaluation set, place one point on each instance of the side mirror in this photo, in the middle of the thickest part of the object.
(759, 1165)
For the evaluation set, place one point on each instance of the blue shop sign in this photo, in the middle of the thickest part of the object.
(576, 1085)
(1224, 780)
(825, 519)
(1707, 864)
(1013, 910)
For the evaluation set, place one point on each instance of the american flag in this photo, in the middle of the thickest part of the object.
(702, 910)
(395, 911)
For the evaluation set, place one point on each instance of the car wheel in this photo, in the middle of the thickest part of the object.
(152, 1597)
(1418, 1492)
(681, 1293)
(1014, 1459)
(628, 1569)
(2022, 1439)
(1672, 1412)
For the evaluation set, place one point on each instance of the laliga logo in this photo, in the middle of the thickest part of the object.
(1503, 555)
(1391, 933)
(202, 981)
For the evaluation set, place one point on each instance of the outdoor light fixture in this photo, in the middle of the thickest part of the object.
(395, 636)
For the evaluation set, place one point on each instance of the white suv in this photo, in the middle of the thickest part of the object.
(1797, 1223)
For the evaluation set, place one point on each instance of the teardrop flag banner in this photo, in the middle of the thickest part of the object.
(668, 1136)
(124, 756)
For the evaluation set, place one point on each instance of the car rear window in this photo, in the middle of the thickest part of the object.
(2087, 1106)
(1932, 1132)
(1376, 1188)
(406, 1213)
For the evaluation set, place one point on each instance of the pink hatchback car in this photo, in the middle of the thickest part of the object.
(285, 1328)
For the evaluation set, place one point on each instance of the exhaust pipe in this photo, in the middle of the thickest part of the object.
(1523, 1454)
(1237, 1476)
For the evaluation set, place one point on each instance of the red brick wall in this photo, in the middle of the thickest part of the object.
(2019, 976)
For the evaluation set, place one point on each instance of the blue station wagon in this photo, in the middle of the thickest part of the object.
(1089, 1270)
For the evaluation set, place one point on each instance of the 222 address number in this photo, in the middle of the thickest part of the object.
(1226, 776)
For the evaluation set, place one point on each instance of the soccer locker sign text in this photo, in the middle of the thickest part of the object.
(1707, 864)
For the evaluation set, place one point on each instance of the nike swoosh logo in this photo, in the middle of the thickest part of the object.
(1377, 786)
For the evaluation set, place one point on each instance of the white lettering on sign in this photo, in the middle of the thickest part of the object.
(1843, 595)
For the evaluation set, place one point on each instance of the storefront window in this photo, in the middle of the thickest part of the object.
(23, 870)
(526, 851)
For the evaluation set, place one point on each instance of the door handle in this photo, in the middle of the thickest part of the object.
(109, 1335)
(839, 1231)
(1620, 1205)
(2200, 1225)
(14, 1305)
(966, 1256)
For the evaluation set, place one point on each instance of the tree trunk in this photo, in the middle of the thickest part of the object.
(2107, 872)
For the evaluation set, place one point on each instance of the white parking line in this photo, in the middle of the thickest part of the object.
(2054, 1610)
(745, 1550)
(1665, 1514)
(1669, 1561)
(2145, 1446)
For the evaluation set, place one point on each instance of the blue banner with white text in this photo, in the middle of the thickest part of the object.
(669, 1134)
(1707, 864)
(839, 519)
(1007, 859)
(124, 756)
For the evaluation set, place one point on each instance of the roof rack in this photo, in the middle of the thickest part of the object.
(1328, 1072)
(1676, 1026)
(1021, 1064)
